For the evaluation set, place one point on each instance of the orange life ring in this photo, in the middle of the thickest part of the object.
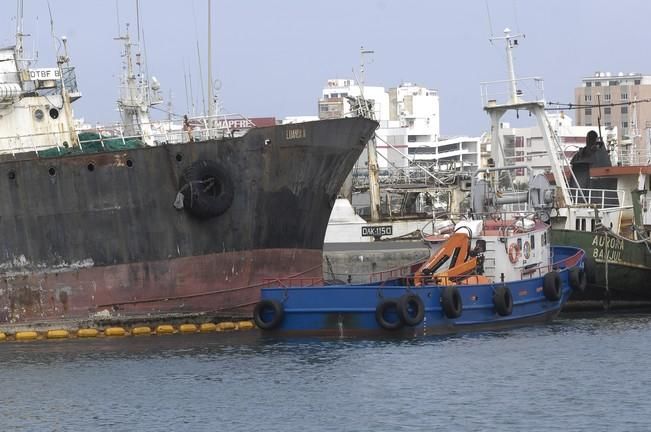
(514, 253)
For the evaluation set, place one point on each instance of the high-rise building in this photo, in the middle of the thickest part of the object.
(618, 96)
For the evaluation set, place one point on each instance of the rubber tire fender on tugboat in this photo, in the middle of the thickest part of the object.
(277, 317)
(552, 285)
(411, 309)
(590, 269)
(207, 189)
(451, 302)
(381, 308)
(503, 300)
(578, 279)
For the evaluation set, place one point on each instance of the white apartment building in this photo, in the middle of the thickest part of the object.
(409, 125)
(525, 144)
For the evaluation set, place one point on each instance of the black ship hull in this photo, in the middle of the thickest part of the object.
(87, 234)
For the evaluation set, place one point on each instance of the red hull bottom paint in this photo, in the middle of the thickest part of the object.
(223, 282)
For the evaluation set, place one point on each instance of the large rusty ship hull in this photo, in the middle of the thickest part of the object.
(100, 233)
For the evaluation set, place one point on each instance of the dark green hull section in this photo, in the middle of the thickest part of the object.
(628, 266)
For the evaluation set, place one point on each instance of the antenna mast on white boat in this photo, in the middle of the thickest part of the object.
(536, 108)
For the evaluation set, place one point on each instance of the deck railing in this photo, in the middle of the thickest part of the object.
(602, 198)
(163, 132)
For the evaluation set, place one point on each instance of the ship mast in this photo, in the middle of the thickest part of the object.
(373, 174)
(536, 108)
(211, 98)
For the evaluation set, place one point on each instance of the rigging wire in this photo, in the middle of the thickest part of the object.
(490, 24)
(555, 106)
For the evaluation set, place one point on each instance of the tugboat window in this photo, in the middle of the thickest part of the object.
(54, 113)
(38, 114)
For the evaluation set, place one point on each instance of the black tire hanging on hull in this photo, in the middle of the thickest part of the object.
(207, 189)
(411, 309)
(268, 307)
(552, 285)
(451, 302)
(503, 300)
(380, 315)
(578, 279)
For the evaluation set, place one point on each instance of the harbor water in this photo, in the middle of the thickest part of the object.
(580, 373)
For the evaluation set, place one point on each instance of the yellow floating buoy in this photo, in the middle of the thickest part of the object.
(3, 336)
(245, 325)
(188, 328)
(207, 327)
(87, 332)
(164, 329)
(226, 325)
(115, 331)
(57, 334)
(141, 331)
(26, 335)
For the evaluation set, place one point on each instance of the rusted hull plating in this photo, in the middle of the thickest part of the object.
(226, 282)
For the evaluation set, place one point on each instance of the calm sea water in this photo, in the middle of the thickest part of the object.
(580, 373)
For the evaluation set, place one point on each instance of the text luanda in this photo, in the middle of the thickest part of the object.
(613, 245)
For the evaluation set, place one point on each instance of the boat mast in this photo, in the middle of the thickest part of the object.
(373, 175)
(211, 99)
(536, 108)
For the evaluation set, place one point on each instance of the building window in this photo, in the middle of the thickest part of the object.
(624, 96)
(637, 82)
(613, 83)
(624, 124)
(588, 84)
(588, 111)
(607, 97)
(597, 84)
(411, 138)
(607, 110)
(587, 98)
(624, 110)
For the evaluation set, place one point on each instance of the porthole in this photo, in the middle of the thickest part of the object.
(65, 144)
(91, 166)
(12, 175)
(179, 157)
(54, 113)
(38, 114)
(129, 163)
(52, 171)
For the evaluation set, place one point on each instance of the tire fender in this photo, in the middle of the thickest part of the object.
(380, 315)
(451, 302)
(552, 285)
(411, 309)
(265, 308)
(503, 300)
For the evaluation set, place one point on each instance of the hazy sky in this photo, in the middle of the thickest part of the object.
(273, 57)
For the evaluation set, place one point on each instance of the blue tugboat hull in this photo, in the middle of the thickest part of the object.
(344, 310)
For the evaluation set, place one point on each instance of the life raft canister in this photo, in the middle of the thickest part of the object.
(526, 250)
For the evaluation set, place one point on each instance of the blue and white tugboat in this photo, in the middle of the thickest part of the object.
(497, 270)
